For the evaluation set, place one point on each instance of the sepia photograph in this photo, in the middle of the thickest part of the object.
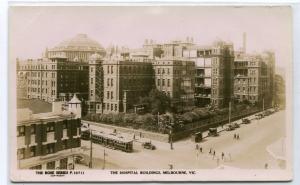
(150, 93)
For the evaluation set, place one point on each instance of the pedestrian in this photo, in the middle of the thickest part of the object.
(214, 154)
(210, 151)
(197, 146)
(234, 137)
(222, 155)
(238, 137)
(201, 149)
(266, 166)
(133, 136)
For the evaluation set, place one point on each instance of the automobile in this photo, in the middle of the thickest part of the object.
(230, 127)
(212, 132)
(235, 125)
(148, 145)
(259, 116)
(245, 121)
(197, 137)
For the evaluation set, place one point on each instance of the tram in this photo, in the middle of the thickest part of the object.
(110, 140)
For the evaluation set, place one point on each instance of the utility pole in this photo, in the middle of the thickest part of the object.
(263, 104)
(229, 116)
(171, 138)
(91, 150)
(104, 154)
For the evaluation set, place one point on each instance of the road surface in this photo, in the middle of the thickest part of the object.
(249, 152)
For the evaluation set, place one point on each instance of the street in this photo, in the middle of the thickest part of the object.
(248, 152)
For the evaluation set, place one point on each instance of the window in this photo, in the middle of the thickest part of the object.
(92, 69)
(92, 93)
(158, 71)
(21, 131)
(50, 148)
(32, 129)
(112, 82)
(112, 69)
(116, 107)
(111, 95)
(107, 93)
(112, 107)
(108, 82)
(50, 127)
(92, 80)
(163, 82)
(32, 151)
(108, 69)
(38, 167)
(51, 165)
(168, 82)
(21, 153)
(158, 82)
(64, 144)
(64, 125)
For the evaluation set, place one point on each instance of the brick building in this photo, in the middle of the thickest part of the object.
(175, 77)
(54, 78)
(214, 73)
(96, 84)
(125, 81)
(253, 78)
(48, 140)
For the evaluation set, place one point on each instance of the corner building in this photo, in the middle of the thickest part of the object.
(48, 140)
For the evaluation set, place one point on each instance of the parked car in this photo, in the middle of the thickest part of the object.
(235, 125)
(197, 137)
(259, 116)
(148, 145)
(212, 132)
(246, 121)
(230, 127)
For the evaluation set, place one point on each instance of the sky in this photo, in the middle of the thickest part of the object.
(32, 29)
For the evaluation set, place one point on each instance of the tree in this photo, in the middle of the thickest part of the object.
(157, 101)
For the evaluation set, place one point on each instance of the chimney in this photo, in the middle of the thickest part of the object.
(244, 42)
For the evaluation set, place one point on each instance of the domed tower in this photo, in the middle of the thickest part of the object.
(75, 106)
(95, 83)
(80, 47)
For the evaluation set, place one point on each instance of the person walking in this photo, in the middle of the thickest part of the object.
(234, 136)
(210, 151)
(197, 146)
(214, 155)
(238, 137)
(201, 149)
(222, 155)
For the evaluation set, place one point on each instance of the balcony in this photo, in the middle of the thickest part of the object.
(202, 95)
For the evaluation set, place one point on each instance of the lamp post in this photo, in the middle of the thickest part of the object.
(171, 138)
(91, 150)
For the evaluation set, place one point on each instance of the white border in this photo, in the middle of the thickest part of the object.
(4, 73)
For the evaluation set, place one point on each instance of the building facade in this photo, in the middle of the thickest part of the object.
(54, 78)
(214, 73)
(96, 84)
(124, 82)
(175, 77)
(253, 79)
(48, 140)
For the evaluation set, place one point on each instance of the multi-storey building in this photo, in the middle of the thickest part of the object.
(252, 79)
(53, 78)
(214, 73)
(279, 97)
(96, 84)
(175, 77)
(124, 82)
(49, 140)
(78, 48)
